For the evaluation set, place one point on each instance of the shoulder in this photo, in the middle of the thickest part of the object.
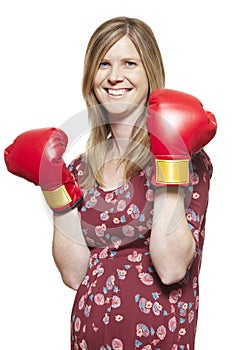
(78, 167)
(202, 164)
(201, 174)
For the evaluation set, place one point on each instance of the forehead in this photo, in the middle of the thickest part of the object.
(123, 47)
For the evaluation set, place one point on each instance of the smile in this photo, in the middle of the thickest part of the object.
(117, 92)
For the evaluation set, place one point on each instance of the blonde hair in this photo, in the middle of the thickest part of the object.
(105, 36)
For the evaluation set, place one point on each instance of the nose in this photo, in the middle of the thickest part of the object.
(116, 74)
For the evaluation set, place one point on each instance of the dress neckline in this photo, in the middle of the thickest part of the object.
(113, 189)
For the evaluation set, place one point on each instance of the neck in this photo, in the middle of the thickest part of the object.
(122, 128)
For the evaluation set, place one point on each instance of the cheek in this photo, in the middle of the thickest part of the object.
(143, 85)
(140, 80)
(99, 78)
(97, 94)
(144, 81)
(96, 84)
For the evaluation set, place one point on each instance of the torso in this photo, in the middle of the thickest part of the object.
(122, 303)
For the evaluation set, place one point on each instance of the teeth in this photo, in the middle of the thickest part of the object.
(117, 92)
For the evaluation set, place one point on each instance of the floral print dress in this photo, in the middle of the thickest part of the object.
(122, 303)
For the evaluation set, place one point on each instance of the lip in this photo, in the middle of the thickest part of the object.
(117, 93)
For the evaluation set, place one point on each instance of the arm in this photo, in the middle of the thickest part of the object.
(172, 246)
(70, 251)
(36, 155)
(178, 128)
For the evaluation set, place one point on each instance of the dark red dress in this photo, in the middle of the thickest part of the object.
(121, 303)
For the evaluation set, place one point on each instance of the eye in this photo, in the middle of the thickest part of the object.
(103, 65)
(130, 64)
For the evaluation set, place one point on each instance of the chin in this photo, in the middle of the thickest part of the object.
(120, 108)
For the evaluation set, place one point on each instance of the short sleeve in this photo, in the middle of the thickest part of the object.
(78, 168)
(197, 208)
(200, 178)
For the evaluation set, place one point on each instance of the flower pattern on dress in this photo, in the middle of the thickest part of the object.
(121, 303)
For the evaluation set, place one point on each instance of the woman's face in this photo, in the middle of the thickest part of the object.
(121, 82)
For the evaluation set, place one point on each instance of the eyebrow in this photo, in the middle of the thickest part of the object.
(127, 58)
(131, 58)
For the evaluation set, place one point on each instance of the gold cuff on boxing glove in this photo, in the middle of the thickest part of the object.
(172, 171)
(57, 198)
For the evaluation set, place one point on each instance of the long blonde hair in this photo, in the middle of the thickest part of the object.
(106, 35)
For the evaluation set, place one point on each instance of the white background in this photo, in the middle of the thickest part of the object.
(42, 48)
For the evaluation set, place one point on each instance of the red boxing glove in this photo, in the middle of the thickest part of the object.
(178, 127)
(36, 155)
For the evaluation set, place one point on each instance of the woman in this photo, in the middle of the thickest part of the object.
(132, 247)
(125, 301)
